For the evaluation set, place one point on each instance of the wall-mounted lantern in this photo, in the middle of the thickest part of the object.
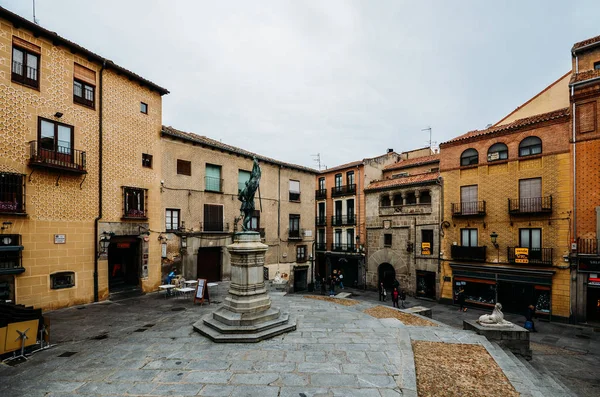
(494, 237)
(183, 241)
(104, 243)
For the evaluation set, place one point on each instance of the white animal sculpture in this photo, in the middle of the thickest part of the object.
(497, 317)
(277, 279)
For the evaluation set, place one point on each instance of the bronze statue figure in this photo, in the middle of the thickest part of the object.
(246, 196)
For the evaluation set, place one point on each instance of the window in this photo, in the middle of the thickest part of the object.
(387, 240)
(411, 198)
(321, 184)
(243, 177)
(337, 239)
(83, 93)
(385, 201)
(320, 239)
(321, 214)
(350, 239)
(468, 200)
(294, 190)
(350, 211)
(530, 146)
(530, 195)
(425, 198)
(337, 213)
(172, 220)
(469, 157)
(294, 226)
(12, 197)
(213, 178)
(301, 253)
(255, 221)
(213, 218)
(596, 65)
(184, 167)
(498, 151)
(144, 107)
(530, 238)
(134, 200)
(26, 65)
(338, 180)
(427, 237)
(400, 175)
(468, 237)
(55, 141)
(146, 160)
(350, 178)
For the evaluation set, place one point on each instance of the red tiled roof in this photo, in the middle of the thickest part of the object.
(587, 75)
(38, 30)
(587, 42)
(189, 136)
(341, 167)
(434, 158)
(403, 181)
(538, 118)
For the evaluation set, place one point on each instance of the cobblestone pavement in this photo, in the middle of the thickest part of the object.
(146, 347)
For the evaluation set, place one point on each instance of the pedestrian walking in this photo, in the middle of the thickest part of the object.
(402, 298)
(529, 315)
(395, 296)
(323, 286)
(382, 292)
(341, 278)
(461, 300)
(332, 286)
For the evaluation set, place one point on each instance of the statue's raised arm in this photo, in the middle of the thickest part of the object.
(246, 196)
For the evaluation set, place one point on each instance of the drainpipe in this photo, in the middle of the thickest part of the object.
(96, 242)
(279, 215)
(574, 121)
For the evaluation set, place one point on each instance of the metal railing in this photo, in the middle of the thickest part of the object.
(12, 193)
(321, 220)
(588, 246)
(343, 190)
(532, 205)
(214, 184)
(62, 158)
(475, 254)
(25, 74)
(536, 256)
(338, 247)
(343, 220)
(320, 246)
(217, 227)
(294, 234)
(469, 208)
(294, 196)
(320, 194)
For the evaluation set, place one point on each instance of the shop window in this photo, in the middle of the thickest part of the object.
(184, 167)
(482, 292)
(146, 160)
(469, 157)
(530, 146)
(387, 240)
(498, 151)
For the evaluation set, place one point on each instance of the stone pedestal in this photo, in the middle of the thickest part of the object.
(513, 338)
(246, 314)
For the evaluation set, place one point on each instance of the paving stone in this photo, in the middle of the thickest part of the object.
(254, 379)
(171, 376)
(254, 391)
(141, 388)
(170, 389)
(376, 381)
(207, 377)
(364, 369)
(307, 391)
(332, 380)
(263, 366)
(216, 391)
(212, 365)
(104, 388)
(133, 375)
(328, 368)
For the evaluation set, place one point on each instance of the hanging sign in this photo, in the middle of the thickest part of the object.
(521, 255)
(425, 248)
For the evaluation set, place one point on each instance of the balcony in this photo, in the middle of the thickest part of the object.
(12, 193)
(588, 246)
(407, 209)
(470, 208)
(536, 257)
(214, 227)
(343, 190)
(214, 184)
(320, 246)
(294, 196)
(320, 194)
(321, 220)
(294, 234)
(338, 247)
(10, 254)
(529, 206)
(343, 220)
(62, 159)
(473, 254)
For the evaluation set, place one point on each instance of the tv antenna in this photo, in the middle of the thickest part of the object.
(317, 159)
(430, 142)
(34, 18)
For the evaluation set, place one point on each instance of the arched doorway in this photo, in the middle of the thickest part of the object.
(387, 275)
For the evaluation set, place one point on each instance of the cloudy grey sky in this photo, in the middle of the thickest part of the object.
(346, 79)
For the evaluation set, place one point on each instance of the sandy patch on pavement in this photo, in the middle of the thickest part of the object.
(339, 301)
(405, 318)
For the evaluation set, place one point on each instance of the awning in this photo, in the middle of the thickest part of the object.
(499, 273)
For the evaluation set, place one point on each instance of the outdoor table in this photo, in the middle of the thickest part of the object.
(191, 282)
(185, 290)
(166, 288)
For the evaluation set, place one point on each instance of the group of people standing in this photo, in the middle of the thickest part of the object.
(398, 294)
(336, 279)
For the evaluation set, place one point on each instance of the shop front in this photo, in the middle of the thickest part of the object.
(425, 284)
(589, 274)
(515, 289)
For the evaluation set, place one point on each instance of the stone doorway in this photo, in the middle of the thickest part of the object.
(124, 263)
(209, 264)
(387, 275)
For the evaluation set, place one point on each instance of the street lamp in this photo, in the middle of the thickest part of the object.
(183, 241)
(104, 243)
(494, 237)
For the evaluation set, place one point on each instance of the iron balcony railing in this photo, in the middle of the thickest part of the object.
(343, 220)
(25, 74)
(321, 220)
(475, 254)
(469, 208)
(588, 246)
(343, 190)
(320, 194)
(62, 158)
(320, 246)
(535, 256)
(215, 227)
(338, 247)
(294, 196)
(214, 184)
(12, 193)
(532, 205)
(294, 234)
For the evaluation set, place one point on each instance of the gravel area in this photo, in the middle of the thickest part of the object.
(538, 348)
(339, 301)
(406, 319)
(449, 369)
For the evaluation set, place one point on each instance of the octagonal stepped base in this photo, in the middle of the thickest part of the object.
(227, 317)
(223, 333)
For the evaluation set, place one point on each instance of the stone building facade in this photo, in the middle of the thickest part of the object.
(507, 213)
(59, 104)
(402, 214)
(201, 180)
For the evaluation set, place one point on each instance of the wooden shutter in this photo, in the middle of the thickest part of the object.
(213, 217)
(530, 193)
(84, 74)
(468, 199)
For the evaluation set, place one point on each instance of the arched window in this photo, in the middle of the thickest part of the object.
(411, 198)
(397, 199)
(498, 151)
(530, 146)
(385, 201)
(425, 197)
(468, 157)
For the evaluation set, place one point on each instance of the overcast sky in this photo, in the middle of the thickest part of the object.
(346, 79)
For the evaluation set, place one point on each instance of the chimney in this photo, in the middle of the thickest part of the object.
(390, 150)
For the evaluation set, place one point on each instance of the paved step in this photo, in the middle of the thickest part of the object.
(549, 378)
(519, 376)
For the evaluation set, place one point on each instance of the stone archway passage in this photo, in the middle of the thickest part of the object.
(390, 258)
(387, 275)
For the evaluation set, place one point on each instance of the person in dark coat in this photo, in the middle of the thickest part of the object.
(323, 286)
(332, 282)
(395, 296)
(529, 315)
(382, 292)
(402, 297)
(461, 300)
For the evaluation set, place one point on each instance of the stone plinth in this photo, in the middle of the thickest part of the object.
(246, 314)
(420, 310)
(513, 338)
